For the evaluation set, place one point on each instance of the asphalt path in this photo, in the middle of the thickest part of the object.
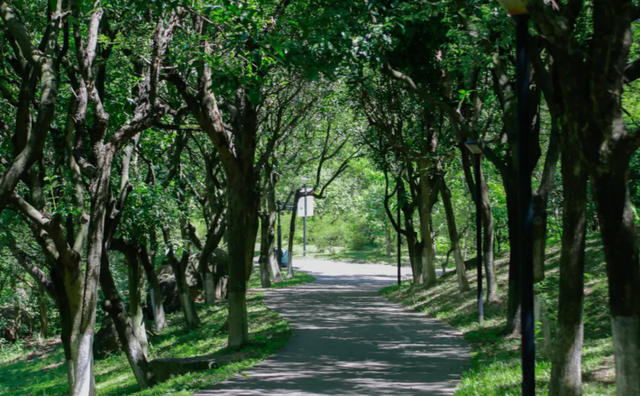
(348, 340)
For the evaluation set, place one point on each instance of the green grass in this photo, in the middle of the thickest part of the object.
(45, 373)
(299, 278)
(368, 254)
(495, 368)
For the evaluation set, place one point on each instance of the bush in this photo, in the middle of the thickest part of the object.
(360, 236)
(329, 237)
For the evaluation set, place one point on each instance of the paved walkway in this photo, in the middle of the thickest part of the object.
(347, 340)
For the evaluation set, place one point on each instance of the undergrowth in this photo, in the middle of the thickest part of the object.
(27, 371)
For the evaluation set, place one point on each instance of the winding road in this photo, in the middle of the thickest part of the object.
(348, 340)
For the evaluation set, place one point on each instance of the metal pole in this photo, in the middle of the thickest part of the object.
(279, 253)
(399, 241)
(304, 237)
(478, 163)
(524, 207)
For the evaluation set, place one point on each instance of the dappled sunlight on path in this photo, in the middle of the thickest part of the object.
(347, 340)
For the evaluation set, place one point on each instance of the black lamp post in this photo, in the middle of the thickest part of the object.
(476, 150)
(518, 11)
(279, 253)
(399, 239)
(304, 220)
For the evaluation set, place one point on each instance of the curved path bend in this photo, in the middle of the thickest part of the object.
(348, 340)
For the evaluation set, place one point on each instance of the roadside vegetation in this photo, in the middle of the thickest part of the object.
(37, 367)
(496, 368)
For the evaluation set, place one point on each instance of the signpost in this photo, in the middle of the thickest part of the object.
(304, 211)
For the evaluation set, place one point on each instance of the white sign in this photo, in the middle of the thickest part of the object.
(310, 205)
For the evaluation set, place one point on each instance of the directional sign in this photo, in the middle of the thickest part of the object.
(310, 205)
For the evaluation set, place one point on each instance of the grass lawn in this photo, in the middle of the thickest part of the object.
(496, 359)
(41, 370)
(368, 254)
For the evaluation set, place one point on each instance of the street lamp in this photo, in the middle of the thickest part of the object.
(304, 227)
(476, 150)
(279, 253)
(399, 237)
(518, 12)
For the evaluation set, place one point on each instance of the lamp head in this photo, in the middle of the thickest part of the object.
(514, 7)
(304, 179)
(473, 146)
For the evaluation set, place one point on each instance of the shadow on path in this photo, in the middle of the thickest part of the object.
(347, 340)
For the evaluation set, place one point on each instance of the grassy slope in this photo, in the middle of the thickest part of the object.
(496, 360)
(45, 374)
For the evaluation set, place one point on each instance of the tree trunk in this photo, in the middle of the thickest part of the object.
(159, 319)
(214, 236)
(243, 208)
(179, 271)
(415, 249)
(566, 373)
(209, 284)
(540, 200)
(428, 263)
(131, 345)
(513, 293)
(83, 293)
(463, 283)
(44, 320)
(619, 238)
(135, 299)
(274, 266)
(266, 244)
(539, 236)
(487, 226)
(488, 242)
(65, 321)
(187, 303)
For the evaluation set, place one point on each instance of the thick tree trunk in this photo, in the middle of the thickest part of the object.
(619, 237)
(65, 321)
(83, 295)
(566, 373)
(131, 343)
(463, 282)
(428, 263)
(243, 208)
(135, 299)
(159, 319)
